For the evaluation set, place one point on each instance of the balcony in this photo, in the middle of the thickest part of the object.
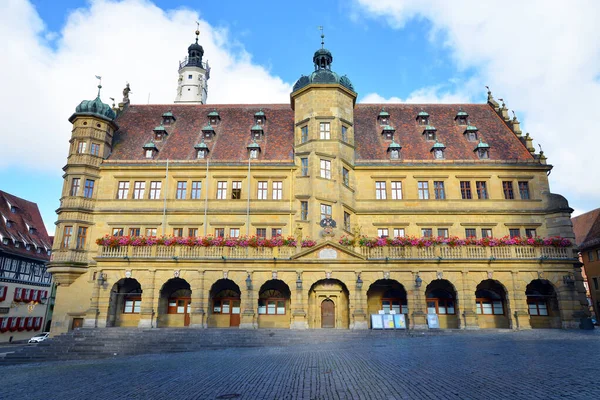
(76, 202)
(84, 159)
(69, 256)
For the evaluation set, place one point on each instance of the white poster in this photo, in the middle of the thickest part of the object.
(388, 321)
(376, 321)
(433, 321)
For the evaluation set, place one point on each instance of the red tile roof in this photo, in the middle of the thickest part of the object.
(26, 215)
(137, 122)
(587, 229)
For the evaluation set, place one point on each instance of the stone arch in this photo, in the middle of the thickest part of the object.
(174, 303)
(387, 295)
(492, 307)
(542, 304)
(274, 304)
(225, 304)
(125, 303)
(441, 297)
(329, 289)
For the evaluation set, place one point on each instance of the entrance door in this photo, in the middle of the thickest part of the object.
(327, 314)
(234, 319)
(77, 323)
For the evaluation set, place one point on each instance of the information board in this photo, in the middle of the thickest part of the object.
(388, 321)
(433, 321)
(399, 321)
(376, 321)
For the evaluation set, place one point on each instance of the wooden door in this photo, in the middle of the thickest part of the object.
(234, 319)
(77, 323)
(186, 316)
(327, 314)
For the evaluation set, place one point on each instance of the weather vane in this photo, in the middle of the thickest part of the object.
(197, 30)
(322, 37)
(99, 84)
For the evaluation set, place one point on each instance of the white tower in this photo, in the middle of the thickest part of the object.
(192, 86)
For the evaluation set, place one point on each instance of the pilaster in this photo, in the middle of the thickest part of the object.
(148, 306)
(199, 302)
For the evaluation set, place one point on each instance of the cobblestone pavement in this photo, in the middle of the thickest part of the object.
(500, 365)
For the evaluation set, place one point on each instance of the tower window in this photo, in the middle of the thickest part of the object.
(304, 134)
(190, 77)
(325, 131)
(253, 153)
(394, 154)
(438, 154)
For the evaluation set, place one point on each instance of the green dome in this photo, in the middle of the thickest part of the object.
(149, 146)
(387, 128)
(482, 145)
(471, 128)
(438, 145)
(256, 128)
(201, 146)
(213, 113)
(422, 114)
(260, 113)
(430, 128)
(208, 128)
(384, 113)
(394, 146)
(97, 108)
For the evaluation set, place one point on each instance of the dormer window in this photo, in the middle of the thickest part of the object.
(160, 133)
(31, 230)
(482, 150)
(213, 117)
(168, 118)
(253, 150)
(27, 247)
(201, 150)
(5, 241)
(422, 118)
(461, 117)
(208, 132)
(471, 133)
(260, 118)
(257, 132)
(430, 133)
(17, 244)
(438, 150)
(150, 150)
(9, 223)
(384, 117)
(394, 150)
(388, 132)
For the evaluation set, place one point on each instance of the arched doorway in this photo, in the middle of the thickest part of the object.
(441, 300)
(125, 303)
(491, 307)
(542, 303)
(274, 305)
(174, 303)
(387, 295)
(225, 304)
(336, 294)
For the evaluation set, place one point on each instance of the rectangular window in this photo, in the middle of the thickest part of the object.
(219, 232)
(304, 167)
(325, 211)
(325, 130)
(134, 232)
(275, 232)
(151, 232)
(423, 187)
(178, 232)
(426, 232)
(193, 232)
(277, 190)
(304, 134)
(530, 233)
(380, 190)
(95, 149)
(442, 232)
(75, 182)
(514, 233)
(438, 190)
(344, 133)
(88, 190)
(81, 237)
(155, 187)
(181, 192)
(234, 232)
(398, 232)
(123, 190)
(486, 233)
(81, 147)
(261, 232)
(470, 233)
(236, 189)
(382, 232)
(595, 283)
(326, 169)
(345, 176)
(262, 190)
(481, 187)
(221, 190)
(67, 232)
(304, 210)
(524, 190)
(196, 190)
(138, 189)
(465, 190)
(396, 190)
(117, 231)
(132, 305)
(346, 221)
(507, 187)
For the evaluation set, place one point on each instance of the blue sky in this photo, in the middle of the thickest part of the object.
(402, 50)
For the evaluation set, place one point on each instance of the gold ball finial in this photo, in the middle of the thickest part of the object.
(197, 33)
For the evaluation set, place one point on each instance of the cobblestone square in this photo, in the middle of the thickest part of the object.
(540, 364)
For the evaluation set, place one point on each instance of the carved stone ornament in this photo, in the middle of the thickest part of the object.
(274, 275)
(327, 224)
(127, 274)
(540, 275)
(176, 273)
(224, 274)
(440, 275)
(490, 274)
(328, 253)
(386, 275)
(328, 275)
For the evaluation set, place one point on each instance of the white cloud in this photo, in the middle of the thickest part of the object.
(124, 41)
(542, 57)
(432, 94)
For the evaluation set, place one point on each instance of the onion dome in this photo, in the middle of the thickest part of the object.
(95, 108)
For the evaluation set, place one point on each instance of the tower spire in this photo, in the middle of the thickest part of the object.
(99, 84)
(322, 37)
(192, 85)
(197, 31)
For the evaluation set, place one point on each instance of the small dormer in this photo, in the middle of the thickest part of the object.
(257, 132)
(214, 118)
(438, 150)
(471, 133)
(260, 118)
(201, 150)
(160, 133)
(430, 133)
(208, 132)
(461, 117)
(482, 150)
(150, 150)
(388, 132)
(168, 118)
(253, 150)
(422, 118)
(394, 150)
(384, 117)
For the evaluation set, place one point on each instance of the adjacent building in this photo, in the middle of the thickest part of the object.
(587, 234)
(317, 213)
(25, 284)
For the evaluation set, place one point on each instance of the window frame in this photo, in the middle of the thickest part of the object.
(136, 303)
(262, 190)
(383, 232)
(423, 190)
(181, 190)
(347, 222)
(396, 189)
(439, 191)
(536, 302)
(304, 166)
(507, 188)
(427, 232)
(88, 191)
(524, 192)
(303, 210)
(344, 133)
(155, 189)
(304, 134)
(380, 190)
(81, 237)
(479, 301)
(443, 233)
(437, 302)
(196, 191)
(277, 190)
(326, 211)
(399, 232)
(221, 190)
(236, 190)
(95, 149)
(325, 131)
(75, 185)
(139, 190)
(465, 190)
(261, 233)
(481, 188)
(486, 233)
(346, 176)
(325, 169)
(512, 231)
(66, 239)
(468, 232)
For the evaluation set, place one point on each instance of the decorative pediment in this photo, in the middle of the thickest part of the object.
(329, 250)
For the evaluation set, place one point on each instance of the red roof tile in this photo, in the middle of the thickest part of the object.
(587, 229)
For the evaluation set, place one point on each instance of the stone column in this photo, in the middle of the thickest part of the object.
(358, 305)
(147, 309)
(199, 302)
(249, 303)
(519, 308)
(417, 304)
(466, 303)
(91, 315)
(298, 308)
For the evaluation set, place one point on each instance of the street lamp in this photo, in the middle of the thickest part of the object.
(299, 282)
(359, 282)
(418, 281)
(249, 282)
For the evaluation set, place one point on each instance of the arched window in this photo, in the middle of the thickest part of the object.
(440, 302)
(394, 300)
(271, 302)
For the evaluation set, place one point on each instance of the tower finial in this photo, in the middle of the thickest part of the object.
(197, 30)
(99, 84)
(322, 37)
